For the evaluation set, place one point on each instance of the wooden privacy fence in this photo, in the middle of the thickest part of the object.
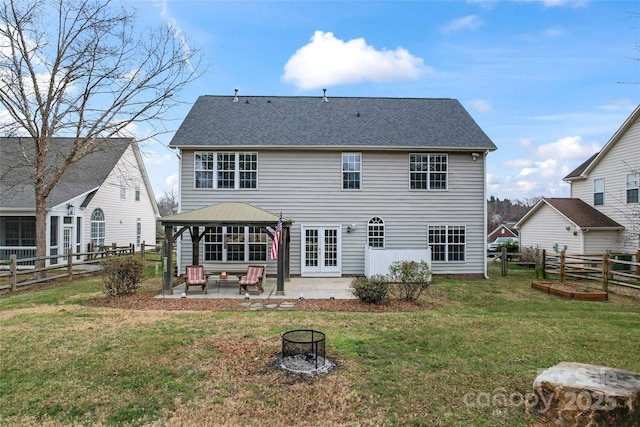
(12, 270)
(608, 268)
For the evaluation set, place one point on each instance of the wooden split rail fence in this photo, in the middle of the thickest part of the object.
(606, 269)
(22, 272)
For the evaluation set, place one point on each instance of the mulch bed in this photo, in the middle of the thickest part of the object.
(146, 302)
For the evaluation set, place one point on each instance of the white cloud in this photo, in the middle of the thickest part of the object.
(172, 24)
(481, 105)
(155, 158)
(518, 163)
(570, 147)
(525, 142)
(556, 3)
(327, 61)
(469, 22)
(553, 32)
(172, 180)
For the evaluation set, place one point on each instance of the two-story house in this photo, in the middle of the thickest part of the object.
(348, 172)
(104, 198)
(603, 212)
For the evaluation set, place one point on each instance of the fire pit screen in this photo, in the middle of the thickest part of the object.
(303, 349)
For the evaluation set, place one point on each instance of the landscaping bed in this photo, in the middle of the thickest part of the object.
(570, 291)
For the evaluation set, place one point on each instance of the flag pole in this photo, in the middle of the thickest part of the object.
(280, 260)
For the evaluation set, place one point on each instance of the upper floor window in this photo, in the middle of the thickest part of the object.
(226, 170)
(632, 187)
(598, 192)
(428, 171)
(351, 168)
(375, 233)
(137, 194)
(448, 242)
(123, 188)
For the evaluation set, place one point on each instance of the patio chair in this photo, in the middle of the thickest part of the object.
(252, 278)
(195, 277)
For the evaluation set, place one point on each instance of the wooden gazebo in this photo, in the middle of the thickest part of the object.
(223, 214)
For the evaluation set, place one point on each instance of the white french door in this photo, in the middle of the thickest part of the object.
(321, 251)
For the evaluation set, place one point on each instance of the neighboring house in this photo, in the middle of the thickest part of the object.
(503, 230)
(603, 212)
(348, 172)
(105, 198)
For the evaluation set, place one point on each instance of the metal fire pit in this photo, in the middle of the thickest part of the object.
(303, 349)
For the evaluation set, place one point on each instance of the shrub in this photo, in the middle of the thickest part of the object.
(411, 278)
(373, 290)
(122, 275)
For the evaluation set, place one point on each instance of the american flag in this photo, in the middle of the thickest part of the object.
(276, 240)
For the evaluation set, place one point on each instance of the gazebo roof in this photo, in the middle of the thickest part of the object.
(226, 213)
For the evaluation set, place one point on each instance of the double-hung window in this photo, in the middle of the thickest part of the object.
(235, 243)
(632, 187)
(351, 170)
(226, 170)
(598, 192)
(428, 171)
(448, 242)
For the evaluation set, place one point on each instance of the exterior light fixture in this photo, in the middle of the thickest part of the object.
(475, 156)
(70, 209)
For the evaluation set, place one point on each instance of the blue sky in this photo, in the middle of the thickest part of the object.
(548, 81)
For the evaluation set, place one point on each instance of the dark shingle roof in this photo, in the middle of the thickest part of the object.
(17, 170)
(578, 171)
(260, 121)
(581, 213)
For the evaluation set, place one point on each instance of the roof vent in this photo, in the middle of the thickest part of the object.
(324, 97)
(246, 102)
(358, 114)
(235, 98)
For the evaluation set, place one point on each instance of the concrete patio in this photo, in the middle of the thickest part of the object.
(309, 288)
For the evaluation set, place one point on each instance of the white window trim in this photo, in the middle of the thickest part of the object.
(627, 187)
(384, 232)
(446, 156)
(246, 243)
(446, 244)
(214, 171)
(342, 171)
(598, 192)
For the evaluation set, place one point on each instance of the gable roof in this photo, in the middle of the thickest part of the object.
(582, 171)
(577, 211)
(286, 122)
(226, 213)
(17, 170)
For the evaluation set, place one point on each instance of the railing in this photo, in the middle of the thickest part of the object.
(19, 252)
(21, 272)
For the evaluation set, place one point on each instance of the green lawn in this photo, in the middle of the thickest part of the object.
(469, 362)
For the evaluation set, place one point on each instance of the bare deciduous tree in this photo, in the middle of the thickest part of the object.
(84, 70)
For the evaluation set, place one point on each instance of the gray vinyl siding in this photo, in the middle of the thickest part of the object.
(306, 186)
(620, 159)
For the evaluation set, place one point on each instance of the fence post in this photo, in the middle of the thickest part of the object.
(503, 258)
(14, 272)
(638, 261)
(132, 249)
(88, 257)
(70, 263)
(605, 272)
(544, 263)
(142, 250)
(114, 248)
(609, 265)
(562, 267)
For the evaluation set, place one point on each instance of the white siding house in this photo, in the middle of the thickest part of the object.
(103, 199)
(349, 173)
(607, 184)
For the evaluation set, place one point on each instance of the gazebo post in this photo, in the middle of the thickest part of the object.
(195, 242)
(168, 260)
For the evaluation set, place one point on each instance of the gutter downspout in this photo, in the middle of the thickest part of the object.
(484, 214)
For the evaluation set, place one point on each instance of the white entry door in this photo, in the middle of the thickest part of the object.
(321, 251)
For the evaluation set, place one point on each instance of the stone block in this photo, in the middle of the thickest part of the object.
(577, 394)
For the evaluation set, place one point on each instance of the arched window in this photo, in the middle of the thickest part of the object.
(97, 228)
(375, 233)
